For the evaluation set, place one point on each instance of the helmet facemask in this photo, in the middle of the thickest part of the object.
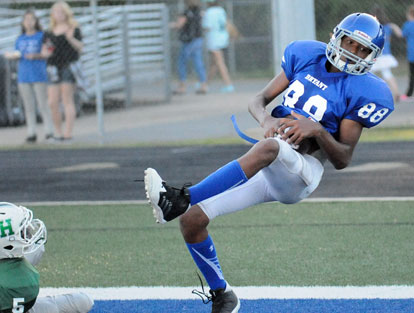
(34, 234)
(354, 64)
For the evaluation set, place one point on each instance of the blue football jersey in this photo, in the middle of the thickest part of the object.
(327, 97)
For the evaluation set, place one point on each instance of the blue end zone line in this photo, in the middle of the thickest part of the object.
(258, 306)
(369, 299)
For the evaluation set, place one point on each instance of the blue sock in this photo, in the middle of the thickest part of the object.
(205, 257)
(226, 177)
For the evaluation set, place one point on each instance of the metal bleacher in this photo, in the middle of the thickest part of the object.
(132, 44)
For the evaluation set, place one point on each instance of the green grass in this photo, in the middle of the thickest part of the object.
(355, 243)
(387, 134)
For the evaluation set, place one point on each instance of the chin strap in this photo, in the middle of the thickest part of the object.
(240, 133)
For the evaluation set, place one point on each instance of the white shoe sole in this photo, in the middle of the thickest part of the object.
(153, 187)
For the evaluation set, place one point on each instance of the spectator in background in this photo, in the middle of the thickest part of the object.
(215, 24)
(191, 36)
(386, 60)
(408, 33)
(62, 45)
(31, 75)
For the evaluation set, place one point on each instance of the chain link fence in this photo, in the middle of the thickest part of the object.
(132, 55)
(126, 51)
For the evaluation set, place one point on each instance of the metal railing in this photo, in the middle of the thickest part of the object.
(133, 45)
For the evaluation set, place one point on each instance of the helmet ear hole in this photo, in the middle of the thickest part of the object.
(8, 248)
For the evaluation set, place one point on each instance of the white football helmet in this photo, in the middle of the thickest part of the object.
(363, 28)
(20, 234)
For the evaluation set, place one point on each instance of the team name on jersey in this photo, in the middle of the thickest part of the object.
(316, 82)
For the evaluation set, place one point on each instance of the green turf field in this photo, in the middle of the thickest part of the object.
(342, 243)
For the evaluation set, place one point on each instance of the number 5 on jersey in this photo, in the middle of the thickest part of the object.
(18, 306)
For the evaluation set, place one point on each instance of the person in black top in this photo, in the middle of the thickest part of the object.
(191, 36)
(62, 46)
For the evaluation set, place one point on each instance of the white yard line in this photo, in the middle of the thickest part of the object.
(249, 293)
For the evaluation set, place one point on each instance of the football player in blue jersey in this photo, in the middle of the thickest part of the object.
(329, 97)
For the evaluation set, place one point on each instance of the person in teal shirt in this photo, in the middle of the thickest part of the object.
(217, 40)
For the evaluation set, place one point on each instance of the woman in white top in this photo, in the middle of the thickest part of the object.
(217, 38)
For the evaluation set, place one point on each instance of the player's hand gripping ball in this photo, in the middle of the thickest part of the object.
(304, 147)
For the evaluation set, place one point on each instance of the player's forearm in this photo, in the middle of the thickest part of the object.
(338, 154)
(257, 108)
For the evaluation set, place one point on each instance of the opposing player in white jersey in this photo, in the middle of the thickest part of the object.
(22, 240)
(330, 96)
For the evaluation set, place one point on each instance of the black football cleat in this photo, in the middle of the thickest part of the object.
(167, 202)
(224, 301)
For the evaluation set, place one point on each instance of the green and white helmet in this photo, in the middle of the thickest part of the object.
(20, 234)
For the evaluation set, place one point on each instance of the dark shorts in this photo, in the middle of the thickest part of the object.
(57, 75)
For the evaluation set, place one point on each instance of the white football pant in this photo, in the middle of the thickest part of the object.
(67, 303)
(290, 178)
